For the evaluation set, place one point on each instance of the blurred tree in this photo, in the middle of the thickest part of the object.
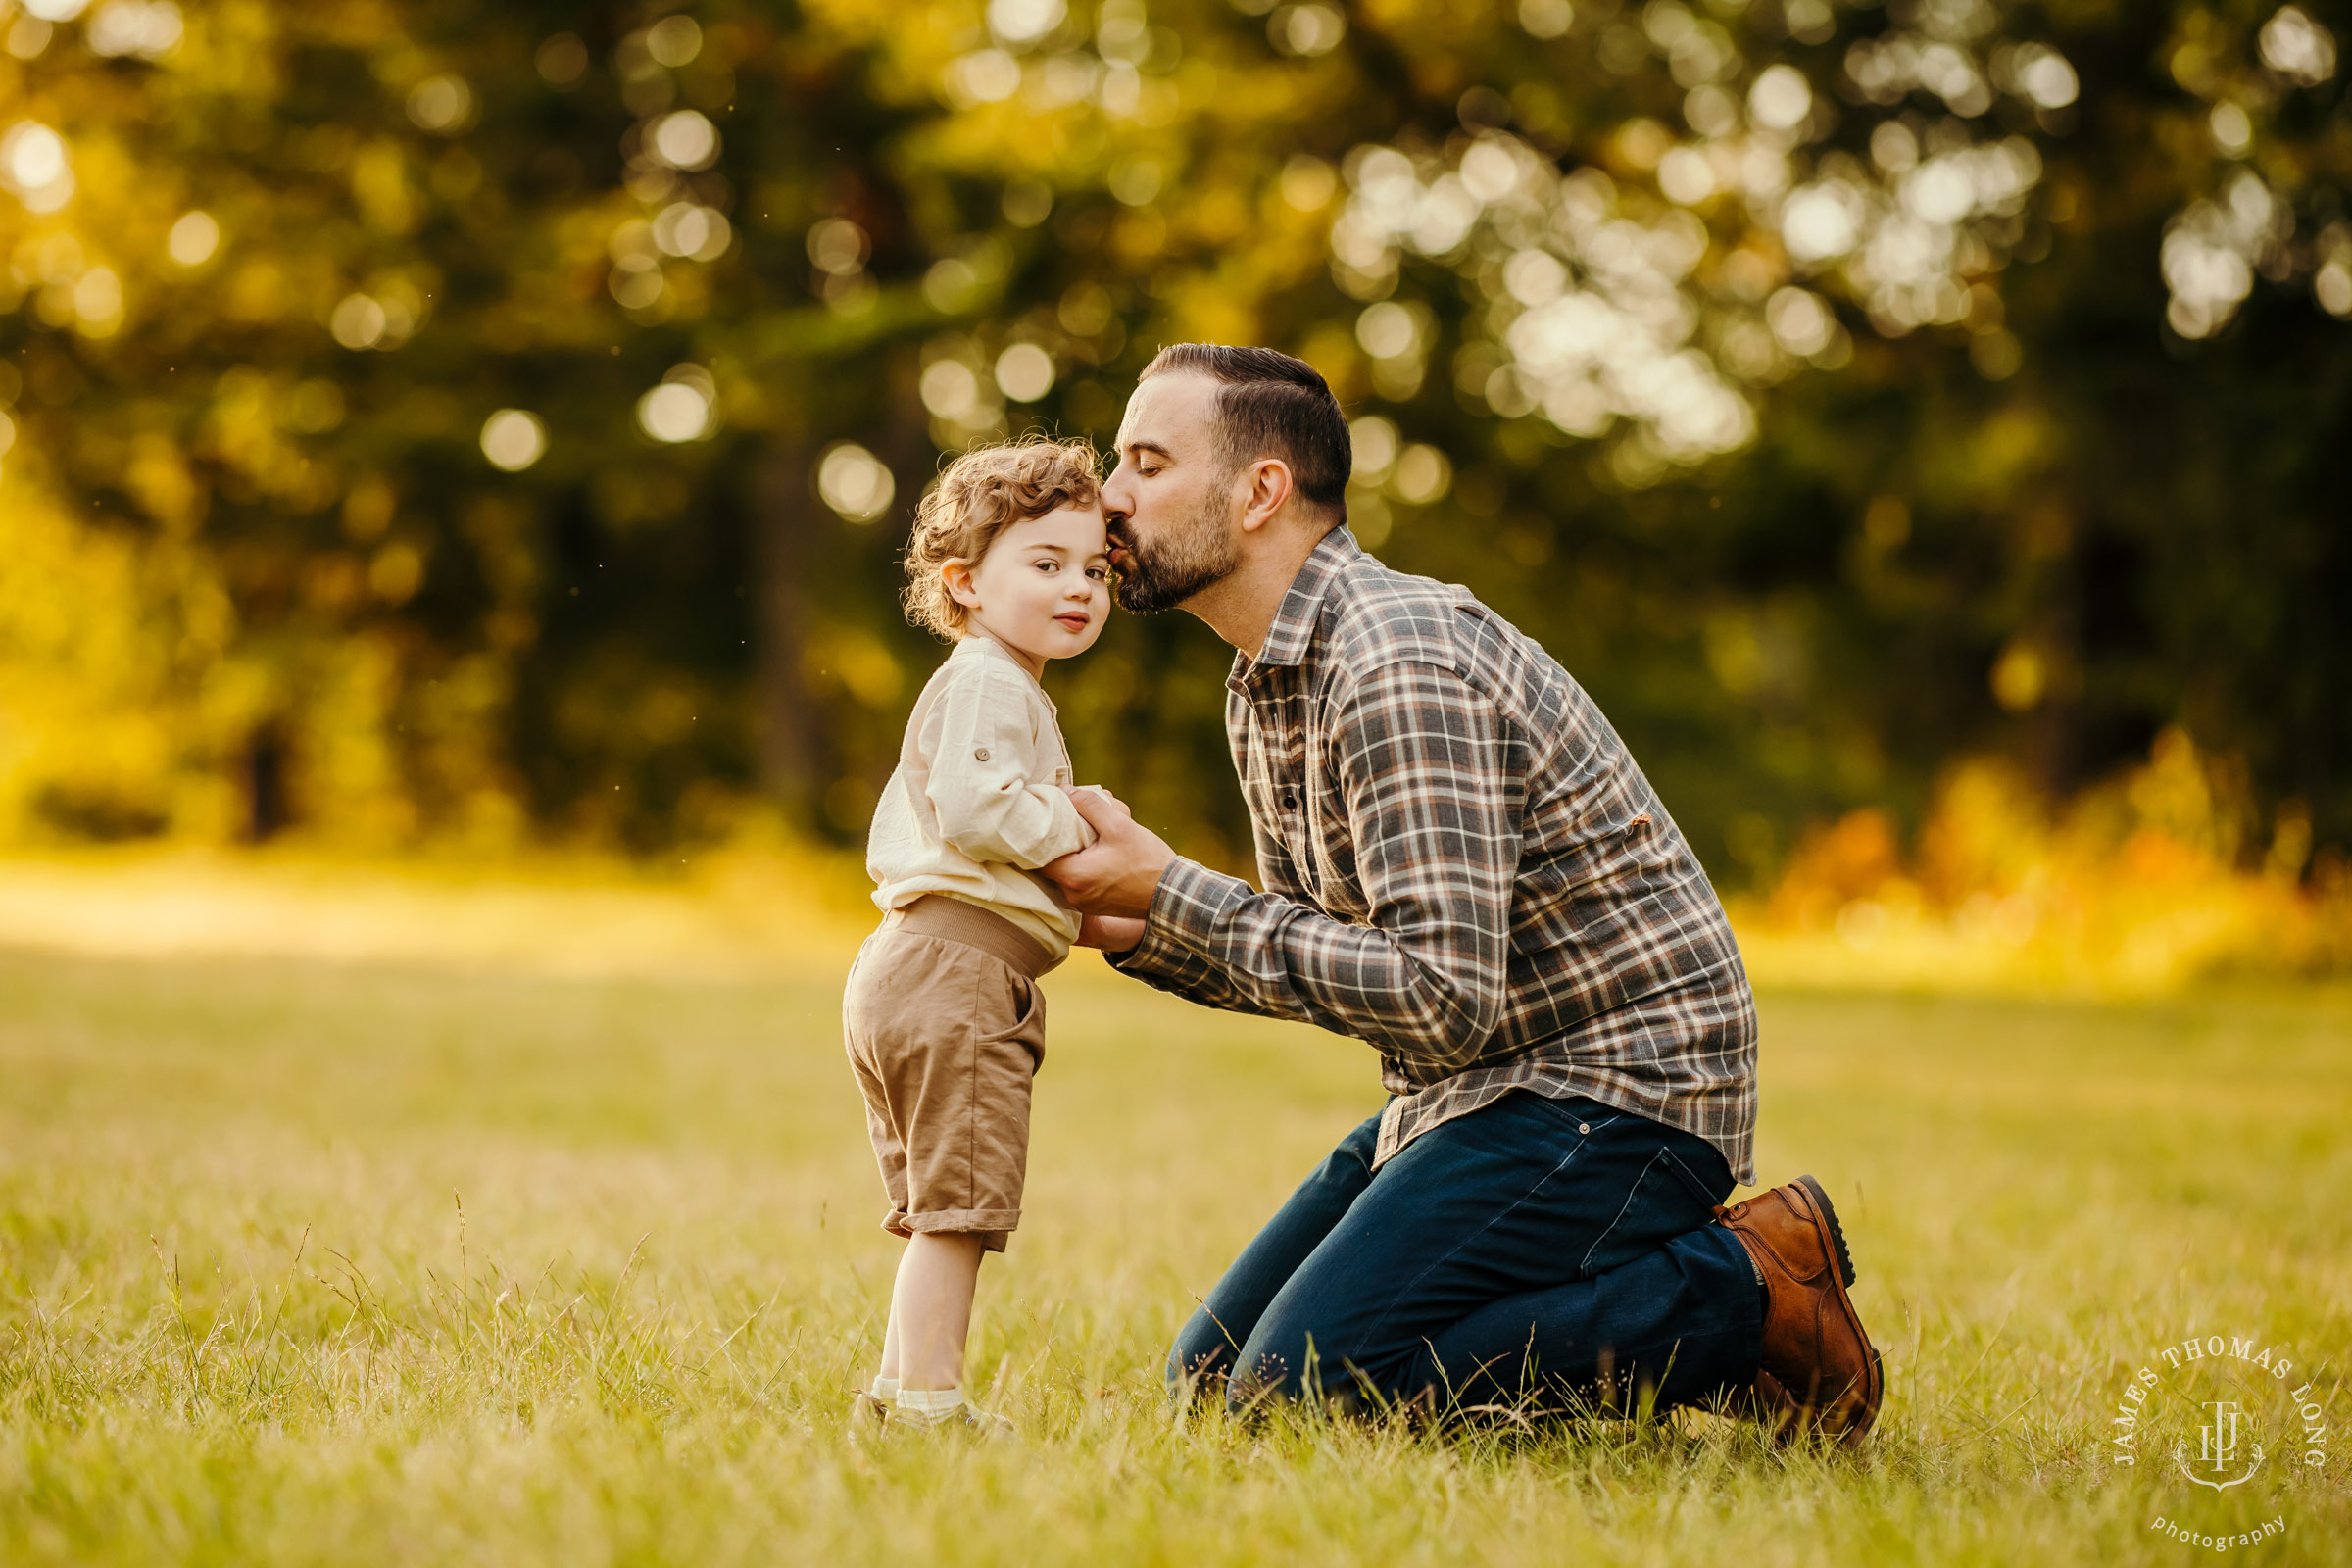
(461, 424)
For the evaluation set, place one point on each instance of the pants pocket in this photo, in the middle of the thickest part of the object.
(1028, 1027)
(1665, 1201)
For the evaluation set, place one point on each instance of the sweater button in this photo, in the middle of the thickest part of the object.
(981, 754)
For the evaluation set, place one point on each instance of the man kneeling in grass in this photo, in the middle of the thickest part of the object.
(1464, 867)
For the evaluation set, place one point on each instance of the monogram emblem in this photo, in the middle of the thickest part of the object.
(2217, 1447)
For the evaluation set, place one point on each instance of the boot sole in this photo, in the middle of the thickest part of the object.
(1874, 1382)
(1829, 1216)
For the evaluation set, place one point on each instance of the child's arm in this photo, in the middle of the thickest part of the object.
(993, 791)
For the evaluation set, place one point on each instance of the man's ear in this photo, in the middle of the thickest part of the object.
(1266, 487)
(957, 574)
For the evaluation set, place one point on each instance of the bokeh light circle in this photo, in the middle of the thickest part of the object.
(675, 411)
(513, 439)
(194, 238)
(1025, 372)
(853, 483)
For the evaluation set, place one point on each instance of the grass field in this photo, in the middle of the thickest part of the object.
(302, 1263)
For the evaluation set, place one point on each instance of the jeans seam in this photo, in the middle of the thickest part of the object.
(1623, 1210)
(1372, 1329)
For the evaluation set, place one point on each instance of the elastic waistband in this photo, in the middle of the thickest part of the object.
(955, 920)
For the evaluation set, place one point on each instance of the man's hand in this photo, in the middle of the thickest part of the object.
(1113, 878)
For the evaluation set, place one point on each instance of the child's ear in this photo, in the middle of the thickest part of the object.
(957, 574)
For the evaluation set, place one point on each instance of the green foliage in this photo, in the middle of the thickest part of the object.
(1881, 386)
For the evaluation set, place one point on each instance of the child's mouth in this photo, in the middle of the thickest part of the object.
(1075, 622)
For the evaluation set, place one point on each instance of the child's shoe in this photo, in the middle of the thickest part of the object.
(987, 1426)
(870, 1407)
(921, 1410)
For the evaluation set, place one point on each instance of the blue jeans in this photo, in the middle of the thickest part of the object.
(1532, 1250)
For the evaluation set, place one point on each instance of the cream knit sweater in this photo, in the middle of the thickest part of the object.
(976, 803)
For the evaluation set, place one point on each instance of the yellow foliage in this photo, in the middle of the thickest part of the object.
(380, 182)
(2138, 885)
(88, 733)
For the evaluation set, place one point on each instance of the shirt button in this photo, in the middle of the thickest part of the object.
(981, 754)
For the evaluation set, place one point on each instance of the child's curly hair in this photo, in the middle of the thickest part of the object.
(983, 493)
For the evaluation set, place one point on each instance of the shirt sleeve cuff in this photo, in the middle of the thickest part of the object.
(1065, 832)
(1180, 929)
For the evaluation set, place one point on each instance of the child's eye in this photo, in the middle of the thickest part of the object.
(1099, 574)
(1049, 565)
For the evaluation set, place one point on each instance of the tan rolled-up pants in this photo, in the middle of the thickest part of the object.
(946, 1026)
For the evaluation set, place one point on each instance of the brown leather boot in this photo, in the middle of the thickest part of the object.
(1819, 1371)
(1768, 1404)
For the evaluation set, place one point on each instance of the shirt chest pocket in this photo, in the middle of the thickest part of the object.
(1288, 798)
(1273, 786)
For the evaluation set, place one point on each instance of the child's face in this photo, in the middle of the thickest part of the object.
(1044, 587)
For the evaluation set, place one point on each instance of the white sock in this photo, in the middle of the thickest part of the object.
(930, 1406)
(883, 1391)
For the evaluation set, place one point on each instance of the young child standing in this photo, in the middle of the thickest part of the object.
(945, 1022)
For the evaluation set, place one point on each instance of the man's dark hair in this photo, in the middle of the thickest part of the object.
(1273, 406)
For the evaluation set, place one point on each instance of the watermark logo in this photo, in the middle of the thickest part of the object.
(2207, 1541)
(2218, 1448)
(2216, 1410)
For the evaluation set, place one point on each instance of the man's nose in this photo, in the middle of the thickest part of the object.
(1117, 505)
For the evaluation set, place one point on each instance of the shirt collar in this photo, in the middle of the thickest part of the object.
(977, 644)
(1294, 620)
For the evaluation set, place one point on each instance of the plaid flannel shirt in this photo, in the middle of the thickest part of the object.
(1462, 867)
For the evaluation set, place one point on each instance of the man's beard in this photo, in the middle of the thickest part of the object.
(1174, 564)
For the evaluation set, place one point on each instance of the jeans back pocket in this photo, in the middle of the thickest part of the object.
(1666, 1200)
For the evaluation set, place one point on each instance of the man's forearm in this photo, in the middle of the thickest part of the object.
(1168, 967)
(1218, 940)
